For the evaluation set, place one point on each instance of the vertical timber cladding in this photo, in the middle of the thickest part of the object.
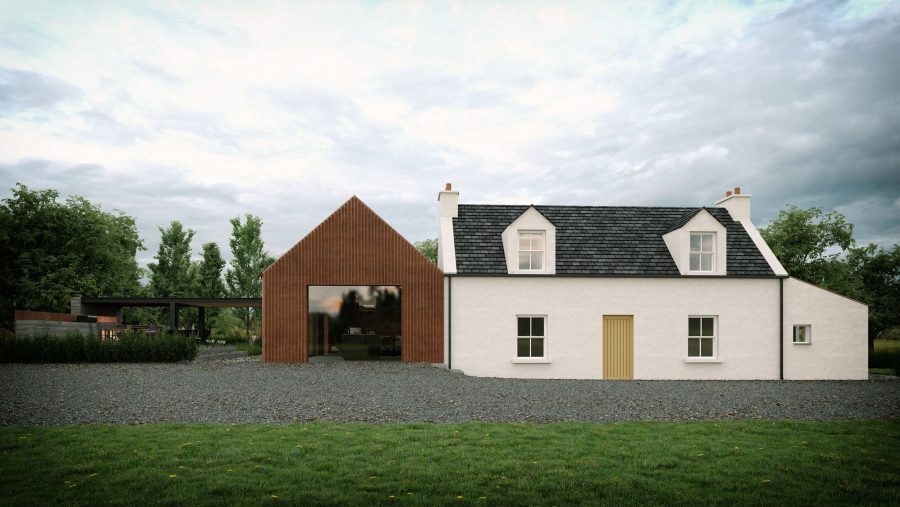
(618, 347)
(353, 246)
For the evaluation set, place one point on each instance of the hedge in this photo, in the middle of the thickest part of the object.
(885, 359)
(79, 348)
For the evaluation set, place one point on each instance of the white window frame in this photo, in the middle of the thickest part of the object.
(701, 252)
(542, 251)
(531, 359)
(808, 340)
(701, 337)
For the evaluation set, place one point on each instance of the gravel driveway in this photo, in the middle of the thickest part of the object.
(253, 392)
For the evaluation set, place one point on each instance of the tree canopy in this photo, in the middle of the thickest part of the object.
(172, 275)
(810, 245)
(209, 272)
(428, 248)
(52, 250)
(249, 259)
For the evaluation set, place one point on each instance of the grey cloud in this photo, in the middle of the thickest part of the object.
(103, 127)
(803, 110)
(353, 138)
(154, 196)
(22, 90)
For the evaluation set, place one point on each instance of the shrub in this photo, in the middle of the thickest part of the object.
(78, 348)
(885, 359)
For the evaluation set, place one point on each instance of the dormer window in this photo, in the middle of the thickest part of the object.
(531, 250)
(703, 251)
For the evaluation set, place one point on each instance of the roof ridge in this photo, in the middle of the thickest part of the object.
(590, 206)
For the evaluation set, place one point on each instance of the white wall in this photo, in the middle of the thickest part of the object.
(839, 330)
(484, 325)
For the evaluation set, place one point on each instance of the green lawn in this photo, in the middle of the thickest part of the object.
(722, 463)
(250, 349)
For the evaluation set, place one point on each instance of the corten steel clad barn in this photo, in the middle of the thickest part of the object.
(343, 283)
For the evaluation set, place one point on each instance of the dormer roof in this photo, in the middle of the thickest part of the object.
(687, 217)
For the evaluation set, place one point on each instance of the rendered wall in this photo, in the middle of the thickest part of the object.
(353, 246)
(839, 347)
(484, 325)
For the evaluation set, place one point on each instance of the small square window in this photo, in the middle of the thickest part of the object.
(802, 334)
(702, 336)
(530, 341)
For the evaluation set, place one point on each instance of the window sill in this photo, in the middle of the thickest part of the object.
(702, 360)
(532, 360)
(802, 343)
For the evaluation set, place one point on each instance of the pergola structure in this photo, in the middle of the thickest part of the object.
(112, 306)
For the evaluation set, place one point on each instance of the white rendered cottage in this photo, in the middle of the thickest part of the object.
(599, 292)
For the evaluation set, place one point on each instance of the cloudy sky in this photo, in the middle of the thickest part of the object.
(203, 112)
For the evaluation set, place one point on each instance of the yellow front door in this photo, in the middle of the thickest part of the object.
(618, 347)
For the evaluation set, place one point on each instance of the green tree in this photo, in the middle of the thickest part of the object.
(249, 259)
(209, 272)
(173, 275)
(876, 272)
(810, 244)
(428, 248)
(52, 250)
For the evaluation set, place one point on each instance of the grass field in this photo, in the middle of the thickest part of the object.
(646, 463)
(250, 349)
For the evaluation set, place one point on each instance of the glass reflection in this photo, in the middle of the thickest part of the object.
(355, 322)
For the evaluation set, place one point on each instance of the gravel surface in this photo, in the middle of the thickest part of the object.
(249, 391)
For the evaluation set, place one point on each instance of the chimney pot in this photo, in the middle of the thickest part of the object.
(448, 187)
(737, 190)
(728, 193)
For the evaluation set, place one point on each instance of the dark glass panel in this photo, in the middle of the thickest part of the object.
(708, 326)
(524, 327)
(537, 326)
(693, 347)
(694, 326)
(706, 347)
(523, 347)
(537, 347)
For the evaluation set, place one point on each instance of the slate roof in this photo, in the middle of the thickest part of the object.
(597, 240)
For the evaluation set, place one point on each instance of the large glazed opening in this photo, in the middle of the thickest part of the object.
(354, 321)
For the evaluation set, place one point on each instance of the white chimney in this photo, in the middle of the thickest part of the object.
(737, 204)
(449, 202)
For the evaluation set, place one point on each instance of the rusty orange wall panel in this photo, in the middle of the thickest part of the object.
(51, 316)
(353, 246)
